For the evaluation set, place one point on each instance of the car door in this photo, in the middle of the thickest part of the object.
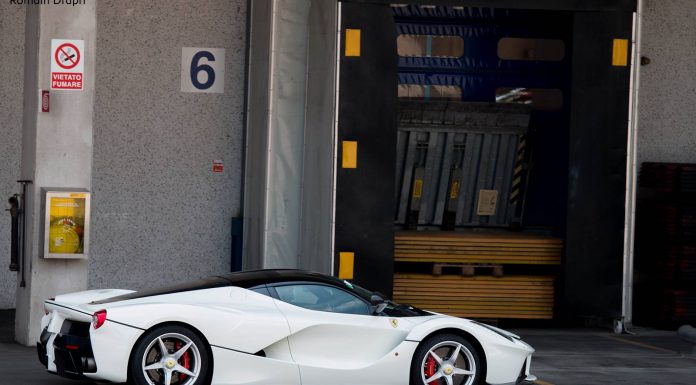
(335, 339)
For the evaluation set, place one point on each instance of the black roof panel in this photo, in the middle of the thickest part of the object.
(245, 279)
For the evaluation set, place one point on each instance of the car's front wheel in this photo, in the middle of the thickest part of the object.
(170, 355)
(445, 359)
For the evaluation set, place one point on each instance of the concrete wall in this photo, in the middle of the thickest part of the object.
(56, 153)
(11, 96)
(159, 213)
(667, 112)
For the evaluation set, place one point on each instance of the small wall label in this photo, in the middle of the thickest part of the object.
(218, 166)
(487, 202)
(45, 101)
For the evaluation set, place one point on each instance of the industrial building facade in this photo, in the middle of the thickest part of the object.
(293, 148)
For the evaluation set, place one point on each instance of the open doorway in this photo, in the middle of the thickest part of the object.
(505, 132)
(482, 159)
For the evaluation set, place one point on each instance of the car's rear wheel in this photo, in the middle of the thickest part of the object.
(445, 359)
(170, 355)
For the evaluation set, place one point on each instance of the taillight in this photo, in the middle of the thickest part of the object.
(98, 318)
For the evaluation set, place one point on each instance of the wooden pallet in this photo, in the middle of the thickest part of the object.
(478, 237)
(477, 247)
(467, 269)
(518, 297)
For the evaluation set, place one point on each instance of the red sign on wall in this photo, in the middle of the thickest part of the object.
(45, 101)
(217, 166)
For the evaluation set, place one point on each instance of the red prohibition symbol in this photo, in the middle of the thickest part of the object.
(67, 56)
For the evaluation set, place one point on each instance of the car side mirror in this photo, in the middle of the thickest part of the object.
(378, 304)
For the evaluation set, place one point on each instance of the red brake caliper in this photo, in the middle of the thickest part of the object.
(185, 361)
(429, 367)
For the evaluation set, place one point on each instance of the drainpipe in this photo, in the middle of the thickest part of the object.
(631, 178)
(14, 246)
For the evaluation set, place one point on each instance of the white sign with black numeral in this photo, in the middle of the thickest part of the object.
(203, 70)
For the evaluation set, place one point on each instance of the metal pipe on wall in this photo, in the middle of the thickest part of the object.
(14, 237)
(337, 93)
(631, 175)
(23, 230)
(18, 230)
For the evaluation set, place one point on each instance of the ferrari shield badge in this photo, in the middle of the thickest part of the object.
(394, 322)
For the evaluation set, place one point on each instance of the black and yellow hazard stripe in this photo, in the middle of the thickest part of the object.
(518, 174)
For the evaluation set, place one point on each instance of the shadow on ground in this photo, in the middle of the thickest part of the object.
(20, 365)
(6, 326)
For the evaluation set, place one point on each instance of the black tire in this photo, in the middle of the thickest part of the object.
(147, 352)
(444, 345)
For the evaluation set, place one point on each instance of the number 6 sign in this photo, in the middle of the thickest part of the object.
(203, 70)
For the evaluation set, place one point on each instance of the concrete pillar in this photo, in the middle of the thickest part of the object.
(290, 135)
(56, 152)
(11, 93)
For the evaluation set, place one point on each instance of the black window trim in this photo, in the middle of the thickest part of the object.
(262, 287)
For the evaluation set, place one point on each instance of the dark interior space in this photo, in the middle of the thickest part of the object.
(513, 121)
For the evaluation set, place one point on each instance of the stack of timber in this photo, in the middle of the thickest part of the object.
(429, 257)
(519, 297)
(502, 248)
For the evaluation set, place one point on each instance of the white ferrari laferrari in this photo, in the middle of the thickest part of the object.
(271, 327)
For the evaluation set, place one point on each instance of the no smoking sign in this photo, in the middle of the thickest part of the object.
(67, 65)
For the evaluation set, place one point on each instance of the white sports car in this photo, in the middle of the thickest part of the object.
(271, 327)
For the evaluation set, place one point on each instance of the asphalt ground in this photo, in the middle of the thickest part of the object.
(563, 357)
(595, 356)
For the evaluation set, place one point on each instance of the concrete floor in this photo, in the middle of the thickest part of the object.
(587, 357)
(569, 357)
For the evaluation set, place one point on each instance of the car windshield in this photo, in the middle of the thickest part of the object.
(393, 309)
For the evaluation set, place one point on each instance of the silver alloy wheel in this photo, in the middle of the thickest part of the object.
(162, 360)
(454, 364)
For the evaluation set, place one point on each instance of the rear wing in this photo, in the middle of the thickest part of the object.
(74, 306)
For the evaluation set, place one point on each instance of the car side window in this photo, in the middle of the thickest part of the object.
(322, 298)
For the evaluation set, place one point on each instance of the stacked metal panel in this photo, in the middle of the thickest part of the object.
(485, 72)
(460, 164)
(666, 245)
